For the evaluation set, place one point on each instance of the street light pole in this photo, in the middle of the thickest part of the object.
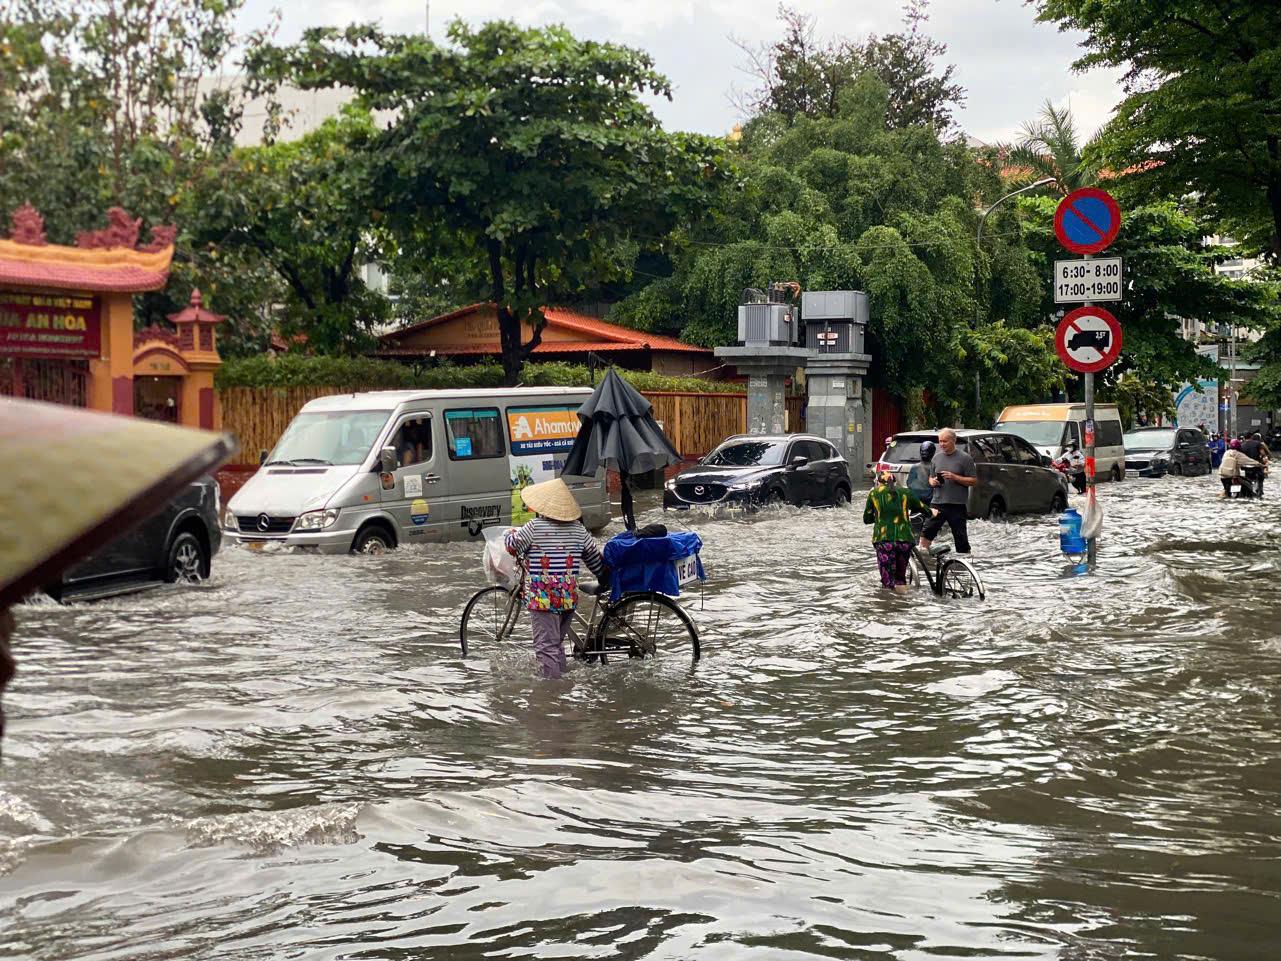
(978, 251)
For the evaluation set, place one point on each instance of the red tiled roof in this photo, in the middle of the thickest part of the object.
(607, 336)
(557, 347)
(122, 279)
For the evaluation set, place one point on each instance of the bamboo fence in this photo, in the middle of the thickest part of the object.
(695, 422)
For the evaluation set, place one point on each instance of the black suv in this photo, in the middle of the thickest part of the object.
(176, 544)
(754, 469)
(1156, 451)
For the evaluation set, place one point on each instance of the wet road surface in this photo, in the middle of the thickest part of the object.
(292, 761)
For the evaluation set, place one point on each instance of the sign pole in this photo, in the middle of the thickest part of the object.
(1091, 545)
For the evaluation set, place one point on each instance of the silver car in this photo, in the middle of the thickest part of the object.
(1014, 478)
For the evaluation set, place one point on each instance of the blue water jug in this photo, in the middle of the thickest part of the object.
(1070, 539)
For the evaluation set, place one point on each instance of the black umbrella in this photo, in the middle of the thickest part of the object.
(619, 432)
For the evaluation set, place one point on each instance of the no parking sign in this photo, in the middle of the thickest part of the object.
(1087, 220)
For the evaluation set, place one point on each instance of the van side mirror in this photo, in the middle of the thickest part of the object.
(387, 460)
(1184, 445)
(262, 457)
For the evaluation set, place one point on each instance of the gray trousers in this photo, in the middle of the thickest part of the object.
(550, 628)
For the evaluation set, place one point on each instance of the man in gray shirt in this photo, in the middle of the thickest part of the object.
(952, 474)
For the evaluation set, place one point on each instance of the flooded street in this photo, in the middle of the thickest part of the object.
(293, 761)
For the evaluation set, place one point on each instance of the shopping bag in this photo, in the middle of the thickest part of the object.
(500, 566)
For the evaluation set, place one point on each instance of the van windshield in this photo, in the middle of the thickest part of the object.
(1038, 433)
(330, 437)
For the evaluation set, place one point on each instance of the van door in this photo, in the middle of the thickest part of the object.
(480, 492)
(418, 490)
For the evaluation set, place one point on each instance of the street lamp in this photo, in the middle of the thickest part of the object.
(978, 246)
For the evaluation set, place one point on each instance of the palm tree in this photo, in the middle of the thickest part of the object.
(1050, 147)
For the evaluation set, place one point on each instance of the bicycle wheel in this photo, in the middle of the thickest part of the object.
(958, 579)
(647, 625)
(489, 619)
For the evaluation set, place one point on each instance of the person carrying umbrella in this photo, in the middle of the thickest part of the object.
(552, 545)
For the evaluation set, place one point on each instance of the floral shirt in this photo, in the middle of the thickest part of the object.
(552, 551)
(889, 509)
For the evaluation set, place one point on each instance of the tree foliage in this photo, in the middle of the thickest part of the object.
(523, 156)
(1050, 146)
(802, 76)
(1203, 111)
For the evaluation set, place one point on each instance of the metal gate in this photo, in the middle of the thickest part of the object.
(54, 381)
(887, 419)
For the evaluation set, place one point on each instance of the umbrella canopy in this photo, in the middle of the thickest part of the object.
(619, 432)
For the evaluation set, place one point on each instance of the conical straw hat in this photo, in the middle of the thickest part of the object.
(553, 500)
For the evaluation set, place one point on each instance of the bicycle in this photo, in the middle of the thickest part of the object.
(953, 576)
(632, 625)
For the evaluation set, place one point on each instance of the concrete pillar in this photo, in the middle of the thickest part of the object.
(836, 410)
(767, 369)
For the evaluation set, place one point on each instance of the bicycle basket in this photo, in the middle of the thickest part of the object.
(661, 564)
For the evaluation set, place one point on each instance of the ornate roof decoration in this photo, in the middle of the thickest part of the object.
(156, 332)
(194, 311)
(162, 236)
(121, 231)
(26, 226)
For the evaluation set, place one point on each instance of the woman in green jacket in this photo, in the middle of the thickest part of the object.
(889, 509)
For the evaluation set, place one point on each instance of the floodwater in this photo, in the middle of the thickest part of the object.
(292, 761)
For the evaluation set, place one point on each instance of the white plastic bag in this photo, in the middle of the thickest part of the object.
(1092, 518)
(500, 566)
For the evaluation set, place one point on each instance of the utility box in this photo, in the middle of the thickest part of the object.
(848, 305)
(767, 324)
(835, 337)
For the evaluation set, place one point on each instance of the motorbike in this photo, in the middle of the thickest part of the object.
(1248, 486)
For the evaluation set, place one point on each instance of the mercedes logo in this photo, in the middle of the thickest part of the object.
(264, 523)
(698, 489)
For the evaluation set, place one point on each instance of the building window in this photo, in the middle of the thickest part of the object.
(474, 433)
(206, 337)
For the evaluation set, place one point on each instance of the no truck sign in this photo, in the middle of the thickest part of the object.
(1088, 339)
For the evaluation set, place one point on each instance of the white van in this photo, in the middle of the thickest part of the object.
(371, 471)
(1050, 428)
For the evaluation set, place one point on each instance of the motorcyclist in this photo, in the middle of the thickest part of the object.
(1254, 447)
(1072, 463)
(918, 478)
(1233, 469)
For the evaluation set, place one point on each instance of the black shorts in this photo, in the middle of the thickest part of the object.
(955, 517)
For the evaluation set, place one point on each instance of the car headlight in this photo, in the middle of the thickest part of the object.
(670, 485)
(1164, 456)
(316, 520)
(743, 485)
(229, 520)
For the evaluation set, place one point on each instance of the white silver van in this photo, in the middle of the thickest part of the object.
(367, 472)
(1052, 428)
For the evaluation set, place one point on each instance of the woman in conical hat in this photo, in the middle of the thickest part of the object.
(552, 545)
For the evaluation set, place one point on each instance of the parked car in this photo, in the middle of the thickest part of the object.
(1157, 451)
(176, 544)
(756, 469)
(1014, 477)
(1053, 428)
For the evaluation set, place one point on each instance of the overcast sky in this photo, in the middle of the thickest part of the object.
(1007, 62)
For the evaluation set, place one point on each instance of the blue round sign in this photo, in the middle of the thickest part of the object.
(1087, 220)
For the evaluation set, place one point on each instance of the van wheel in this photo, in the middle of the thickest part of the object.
(1059, 504)
(996, 510)
(187, 563)
(372, 540)
(842, 496)
(1117, 474)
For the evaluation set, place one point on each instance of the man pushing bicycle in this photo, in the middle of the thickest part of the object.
(952, 474)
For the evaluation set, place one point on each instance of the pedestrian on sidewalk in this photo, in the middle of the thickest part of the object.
(552, 546)
(889, 509)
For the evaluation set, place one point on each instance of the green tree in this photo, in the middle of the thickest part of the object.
(527, 155)
(307, 208)
(1201, 115)
(799, 75)
(1050, 147)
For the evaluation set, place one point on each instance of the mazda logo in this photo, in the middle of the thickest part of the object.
(264, 522)
(698, 489)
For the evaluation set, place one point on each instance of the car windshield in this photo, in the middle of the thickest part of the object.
(330, 437)
(1038, 433)
(754, 453)
(1149, 440)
